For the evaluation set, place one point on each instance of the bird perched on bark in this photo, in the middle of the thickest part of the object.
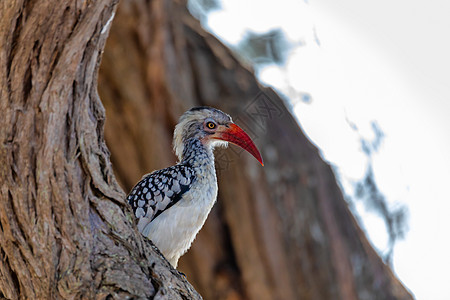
(172, 204)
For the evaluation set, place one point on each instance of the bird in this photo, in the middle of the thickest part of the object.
(171, 205)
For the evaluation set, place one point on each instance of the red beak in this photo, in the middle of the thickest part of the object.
(234, 134)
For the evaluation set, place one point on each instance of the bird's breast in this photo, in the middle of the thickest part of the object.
(174, 230)
(193, 208)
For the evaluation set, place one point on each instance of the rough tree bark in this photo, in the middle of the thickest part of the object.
(279, 232)
(65, 230)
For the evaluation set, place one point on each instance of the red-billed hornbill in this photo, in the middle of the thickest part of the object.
(172, 204)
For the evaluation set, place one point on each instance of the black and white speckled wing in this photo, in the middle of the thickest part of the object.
(159, 190)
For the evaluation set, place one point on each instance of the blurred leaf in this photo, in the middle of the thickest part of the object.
(396, 220)
(267, 48)
(200, 8)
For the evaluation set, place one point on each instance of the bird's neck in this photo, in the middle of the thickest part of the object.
(197, 155)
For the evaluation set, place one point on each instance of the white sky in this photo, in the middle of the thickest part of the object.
(387, 61)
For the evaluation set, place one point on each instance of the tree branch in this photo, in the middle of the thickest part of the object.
(65, 230)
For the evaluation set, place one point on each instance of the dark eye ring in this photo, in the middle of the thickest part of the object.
(210, 125)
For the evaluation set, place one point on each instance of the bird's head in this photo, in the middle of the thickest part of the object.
(212, 128)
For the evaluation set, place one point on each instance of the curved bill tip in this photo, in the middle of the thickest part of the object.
(234, 134)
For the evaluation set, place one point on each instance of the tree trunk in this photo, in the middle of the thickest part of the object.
(65, 229)
(279, 232)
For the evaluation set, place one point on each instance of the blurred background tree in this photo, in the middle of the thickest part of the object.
(283, 231)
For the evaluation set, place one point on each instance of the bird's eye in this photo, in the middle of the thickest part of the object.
(211, 125)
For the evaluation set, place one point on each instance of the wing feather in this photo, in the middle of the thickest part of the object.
(158, 191)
